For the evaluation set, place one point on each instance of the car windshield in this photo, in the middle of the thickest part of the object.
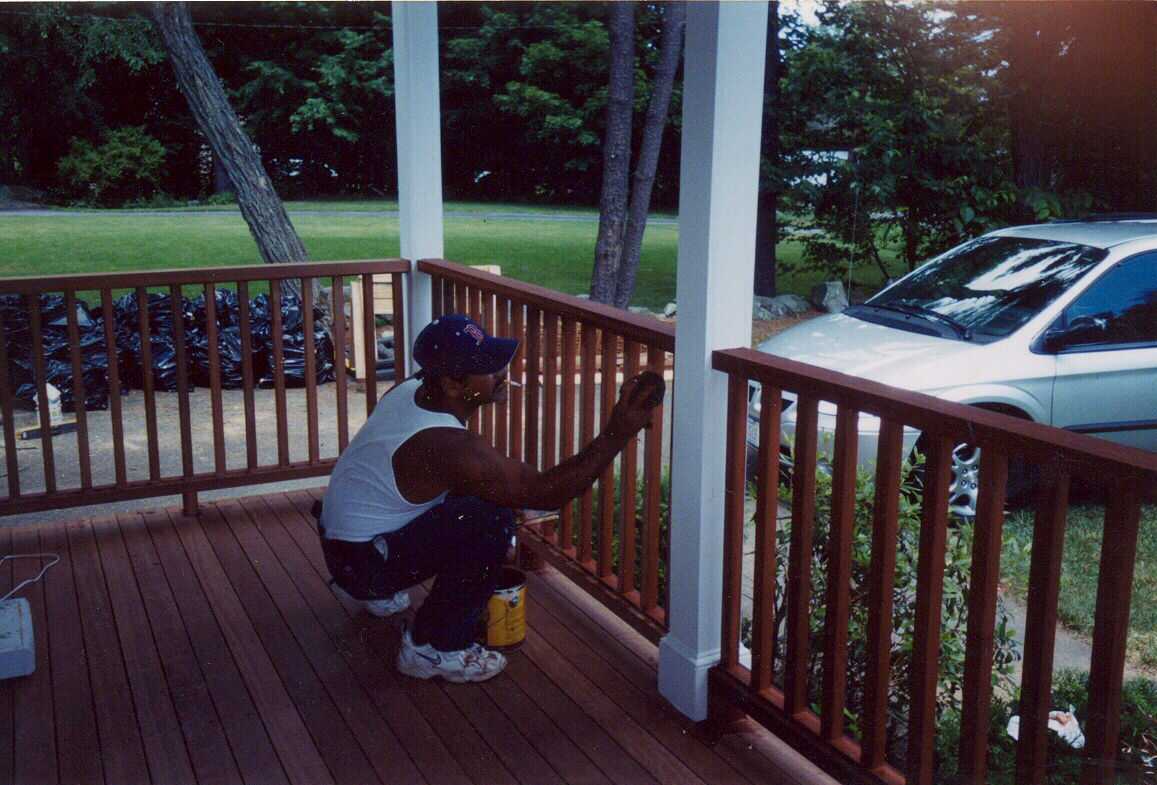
(982, 290)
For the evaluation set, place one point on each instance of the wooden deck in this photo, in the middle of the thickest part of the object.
(211, 650)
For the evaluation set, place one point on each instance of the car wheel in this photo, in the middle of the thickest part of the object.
(964, 480)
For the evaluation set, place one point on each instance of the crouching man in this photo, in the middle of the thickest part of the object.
(416, 495)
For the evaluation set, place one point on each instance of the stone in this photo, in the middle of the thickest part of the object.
(829, 297)
(669, 310)
(771, 308)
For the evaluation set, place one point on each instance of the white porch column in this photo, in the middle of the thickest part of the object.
(722, 117)
(419, 121)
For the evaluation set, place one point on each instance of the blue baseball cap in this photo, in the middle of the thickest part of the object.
(455, 344)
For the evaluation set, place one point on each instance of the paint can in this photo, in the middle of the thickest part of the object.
(506, 611)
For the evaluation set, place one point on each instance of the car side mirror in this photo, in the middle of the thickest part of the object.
(1082, 329)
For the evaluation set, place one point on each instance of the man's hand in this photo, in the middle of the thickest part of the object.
(638, 396)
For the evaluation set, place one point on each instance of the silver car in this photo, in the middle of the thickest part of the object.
(1055, 323)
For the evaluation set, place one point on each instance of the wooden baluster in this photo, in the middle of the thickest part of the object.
(370, 341)
(550, 394)
(474, 311)
(215, 380)
(313, 449)
(247, 382)
(628, 480)
(114, 386)
(517, 365)
(1044, 580)
(48, 458)
(399, 325)
(448, 298)
(279, 372)
(339, 339)
(437, 307)
(589, 344)
(533, 355)
(881, 579)
(610, 352)
(653, 498)
(1111, 629)
(189, 498)
(488, 322)
(11, 461)
(567, 430)
(461, 298)
(78, 391)
(766, 522)
(929, 592)
(799, 572)
(838, 606)
(148, 383)
(733, 498)
(502, 414)
(982, 594)
(475, 305)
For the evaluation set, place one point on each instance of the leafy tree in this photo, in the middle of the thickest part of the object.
(906, 92)
(128, 164)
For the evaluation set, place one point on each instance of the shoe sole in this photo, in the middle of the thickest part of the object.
(452, 678)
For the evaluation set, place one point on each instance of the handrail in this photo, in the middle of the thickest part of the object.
(180, 434)
(643, 329)
(963, 422)
(787, 710)
(35, 284)
(568, 347)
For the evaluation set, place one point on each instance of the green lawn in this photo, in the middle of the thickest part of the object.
(1080, 566)
(556, 254)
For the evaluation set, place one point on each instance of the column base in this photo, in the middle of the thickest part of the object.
(683, 677)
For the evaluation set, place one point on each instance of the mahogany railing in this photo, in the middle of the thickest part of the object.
(134, 461)
(573, 357)
(821, 735)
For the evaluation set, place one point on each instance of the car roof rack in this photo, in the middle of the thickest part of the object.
(1107, 218)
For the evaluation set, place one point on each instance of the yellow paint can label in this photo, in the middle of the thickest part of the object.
(506, 611)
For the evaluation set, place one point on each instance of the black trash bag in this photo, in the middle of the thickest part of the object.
(161, 340)
(229, 356)
(57, 351)
(228, 342)
(228, 310)
(293, 342)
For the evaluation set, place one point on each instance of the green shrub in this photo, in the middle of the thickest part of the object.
(954, 612)
(1137, 759)
(127, 165)
(223, 198)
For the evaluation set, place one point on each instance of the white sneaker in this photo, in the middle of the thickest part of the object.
(382, 608)
(476, 663)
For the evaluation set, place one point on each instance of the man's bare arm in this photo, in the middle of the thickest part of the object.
(465, 464)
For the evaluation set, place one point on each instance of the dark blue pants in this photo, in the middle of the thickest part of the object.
(461, 543)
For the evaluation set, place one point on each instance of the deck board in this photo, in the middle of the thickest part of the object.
(212, 650)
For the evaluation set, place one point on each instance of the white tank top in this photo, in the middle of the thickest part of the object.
(363, 500)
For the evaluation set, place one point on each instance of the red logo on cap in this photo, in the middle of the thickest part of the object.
(475, 333)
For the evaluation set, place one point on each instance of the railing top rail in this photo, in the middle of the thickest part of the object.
(201, 275)
(967, 423)
(629, 325)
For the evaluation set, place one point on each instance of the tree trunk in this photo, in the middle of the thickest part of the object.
(260, 206)
(670, 49)
(1029, 61)
(766, 223)
(616, 153)
(221, 182)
